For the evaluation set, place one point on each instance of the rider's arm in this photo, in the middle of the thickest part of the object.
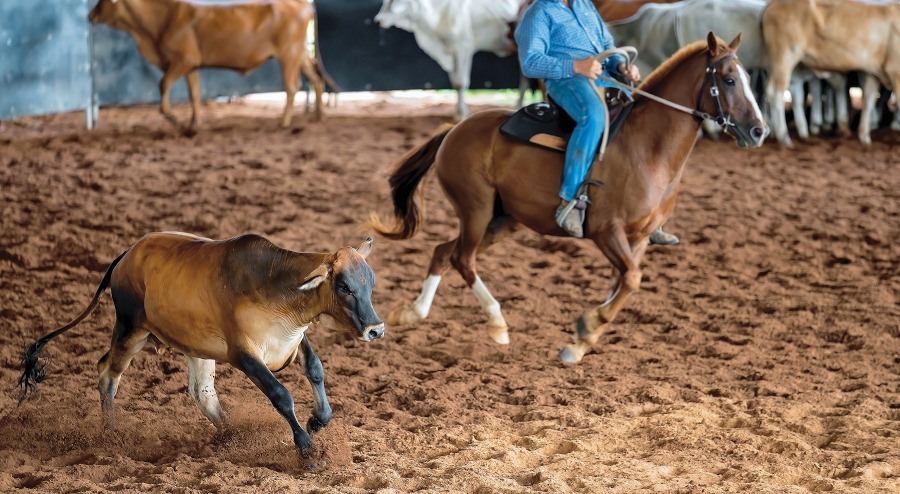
(533, 38)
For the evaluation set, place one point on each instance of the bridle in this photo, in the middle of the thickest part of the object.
(711, 69)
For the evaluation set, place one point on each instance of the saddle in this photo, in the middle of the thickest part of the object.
(548, 126)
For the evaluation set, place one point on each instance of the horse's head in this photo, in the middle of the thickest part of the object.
(727, 96)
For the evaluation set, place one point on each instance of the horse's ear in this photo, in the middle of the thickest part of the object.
(736, 42)
(713, 43)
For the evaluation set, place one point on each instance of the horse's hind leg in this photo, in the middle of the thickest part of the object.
(498, 228)
(440, 261)
(625, 259)
(127, 340)
(201, 387)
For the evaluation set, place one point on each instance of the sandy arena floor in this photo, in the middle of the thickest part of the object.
(762, 354)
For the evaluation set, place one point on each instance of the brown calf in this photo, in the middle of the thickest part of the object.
(243, 300)
(180, 37)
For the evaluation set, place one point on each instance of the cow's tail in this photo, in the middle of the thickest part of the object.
(32, 372)
(404, 181)
(320, 66)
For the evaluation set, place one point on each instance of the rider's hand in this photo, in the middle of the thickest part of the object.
(589, 67)
(633, 75)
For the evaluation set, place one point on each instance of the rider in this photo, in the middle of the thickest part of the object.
(558, 41)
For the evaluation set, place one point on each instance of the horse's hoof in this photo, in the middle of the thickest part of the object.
(401, 316)
(500, 334)
(570, 355)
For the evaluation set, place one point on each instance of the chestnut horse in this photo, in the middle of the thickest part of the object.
(496, 184)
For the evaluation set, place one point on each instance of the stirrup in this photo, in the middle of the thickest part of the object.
(579, 205)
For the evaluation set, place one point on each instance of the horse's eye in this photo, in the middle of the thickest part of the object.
(344, 288)
(729, 81)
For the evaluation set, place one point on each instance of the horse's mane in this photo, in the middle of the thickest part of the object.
(675, 60)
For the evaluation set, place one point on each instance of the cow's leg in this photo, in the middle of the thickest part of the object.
(625, 259)
(173, 72)
(309, 70)
(816, 119)
(778, 82)
(315, 374)
(870, 88)
(841, 102)
(798, 103)
(193, 86)
(201, 387)
(280, 397)
(829, 110)
(460, 78)
(127, 340)
(290, 77)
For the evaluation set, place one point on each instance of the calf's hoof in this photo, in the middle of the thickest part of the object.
(310, 460)
(315, 425)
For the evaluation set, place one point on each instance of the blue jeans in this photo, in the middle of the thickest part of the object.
(578, 98)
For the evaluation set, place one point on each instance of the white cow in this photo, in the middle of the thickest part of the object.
(452, 31)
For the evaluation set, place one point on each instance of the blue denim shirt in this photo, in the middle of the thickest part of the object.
(551, 37)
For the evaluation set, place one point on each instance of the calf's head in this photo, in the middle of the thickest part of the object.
(345, 283)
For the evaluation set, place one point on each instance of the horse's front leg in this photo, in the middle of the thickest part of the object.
(625, 259)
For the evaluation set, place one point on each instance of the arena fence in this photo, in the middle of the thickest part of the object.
(52, 60)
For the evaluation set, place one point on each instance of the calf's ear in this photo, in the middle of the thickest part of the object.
(365, 247)
(314, 279)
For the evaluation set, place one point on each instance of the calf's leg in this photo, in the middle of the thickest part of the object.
(280, 397)
(127, 340)
(315, 374)
(201, 386)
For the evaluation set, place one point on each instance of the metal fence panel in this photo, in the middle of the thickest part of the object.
(44, 57)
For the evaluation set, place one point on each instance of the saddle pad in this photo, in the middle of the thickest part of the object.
(548, 126)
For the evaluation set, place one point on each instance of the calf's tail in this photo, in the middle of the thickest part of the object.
(404, 182)
(32, 372)
(320, 66)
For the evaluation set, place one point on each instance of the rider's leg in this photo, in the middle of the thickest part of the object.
(579, 99)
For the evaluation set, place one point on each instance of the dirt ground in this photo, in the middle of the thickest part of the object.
(762, 354)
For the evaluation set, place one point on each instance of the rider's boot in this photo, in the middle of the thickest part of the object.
(570, 218)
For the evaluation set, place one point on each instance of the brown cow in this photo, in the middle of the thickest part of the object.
(180, 37)
(617, 10)
(836, 36)
(243, 300)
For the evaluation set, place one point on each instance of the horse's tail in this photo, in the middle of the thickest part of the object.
(32, 373)
(404, 182)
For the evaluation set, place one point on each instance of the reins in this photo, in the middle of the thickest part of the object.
(711, 69)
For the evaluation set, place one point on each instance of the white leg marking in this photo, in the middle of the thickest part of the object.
(745, 81)
(491, 307)
(422, 305)
(202, 376)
